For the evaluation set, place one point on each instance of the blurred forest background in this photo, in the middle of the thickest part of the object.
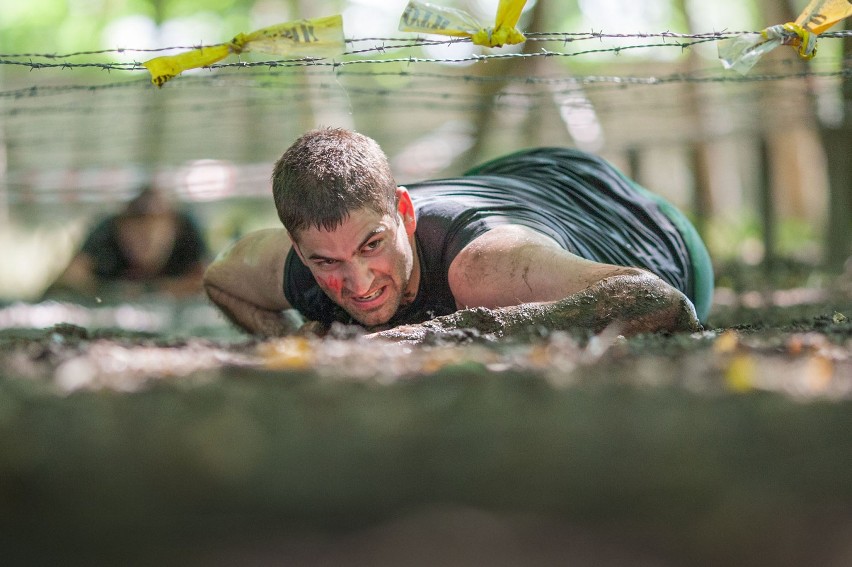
(760, 162)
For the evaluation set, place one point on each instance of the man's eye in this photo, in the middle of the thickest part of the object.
(325, 263)
(372, 245)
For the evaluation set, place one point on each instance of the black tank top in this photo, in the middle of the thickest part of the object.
(577, 199)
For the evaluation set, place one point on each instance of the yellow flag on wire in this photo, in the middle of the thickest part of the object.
(820, 15)
(421, 17)
(741, 53)
(318, 36)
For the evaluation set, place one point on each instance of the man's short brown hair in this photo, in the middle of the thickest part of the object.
(326, 175)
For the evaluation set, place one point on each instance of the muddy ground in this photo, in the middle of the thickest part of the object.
(152, 433)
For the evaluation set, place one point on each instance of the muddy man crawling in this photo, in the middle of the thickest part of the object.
(549, 237)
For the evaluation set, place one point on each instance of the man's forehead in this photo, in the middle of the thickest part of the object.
(358, 227)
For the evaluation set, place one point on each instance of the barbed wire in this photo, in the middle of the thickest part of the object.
(705, 75)
(201, 102)
(410, 60)
(682, 41)
(269, 74)
(46, 114)
(404, 42)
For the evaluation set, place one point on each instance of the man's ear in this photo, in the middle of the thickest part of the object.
(405, 208)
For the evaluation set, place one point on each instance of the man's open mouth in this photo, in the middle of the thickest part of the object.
(370, 297)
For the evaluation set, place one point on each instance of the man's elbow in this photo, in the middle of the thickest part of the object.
(213, 283)
(641, 302)
(207, 277)
(661, 307)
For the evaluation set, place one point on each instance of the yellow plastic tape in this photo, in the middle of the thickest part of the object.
(422, 17)
(318, 37)
(741, 53)
(164, 68)
(793, 34)
(820, 15)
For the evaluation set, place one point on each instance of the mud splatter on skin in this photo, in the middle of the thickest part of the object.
(637, 304)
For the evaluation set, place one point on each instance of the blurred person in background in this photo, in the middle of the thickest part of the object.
(148, 247)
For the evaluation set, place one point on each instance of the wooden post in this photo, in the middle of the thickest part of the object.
(702, 198)
(766, 209)
(634, 164)
(838, 149)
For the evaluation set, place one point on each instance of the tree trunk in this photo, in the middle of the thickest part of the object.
(699, 152)
(783, 147)
(838, 148)
(4, 187)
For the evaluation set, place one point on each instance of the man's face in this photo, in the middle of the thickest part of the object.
(367, 265)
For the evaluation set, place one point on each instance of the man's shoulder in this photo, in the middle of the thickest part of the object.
(266, 247)
(254, 265)
(445, 225)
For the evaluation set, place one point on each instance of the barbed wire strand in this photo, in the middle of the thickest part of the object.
(420, 41)
(563, 37)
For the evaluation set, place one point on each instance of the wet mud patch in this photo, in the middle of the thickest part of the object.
(727, 446)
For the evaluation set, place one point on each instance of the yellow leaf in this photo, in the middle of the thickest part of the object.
(740, 373)
(727, 342)
(291, 353)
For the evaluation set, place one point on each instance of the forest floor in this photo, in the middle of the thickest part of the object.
(153, 433)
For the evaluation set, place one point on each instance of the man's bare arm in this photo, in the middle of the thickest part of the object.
(254, 319)
(513, 278)
(511, 265)
(246, 282)
(635, 304)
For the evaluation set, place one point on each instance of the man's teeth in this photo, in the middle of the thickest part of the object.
(373, 295)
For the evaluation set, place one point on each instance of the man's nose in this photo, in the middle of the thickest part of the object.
(359, 277)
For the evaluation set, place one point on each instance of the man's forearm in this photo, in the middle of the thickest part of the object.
(187, 284)
(252, 318)
(637, 303)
